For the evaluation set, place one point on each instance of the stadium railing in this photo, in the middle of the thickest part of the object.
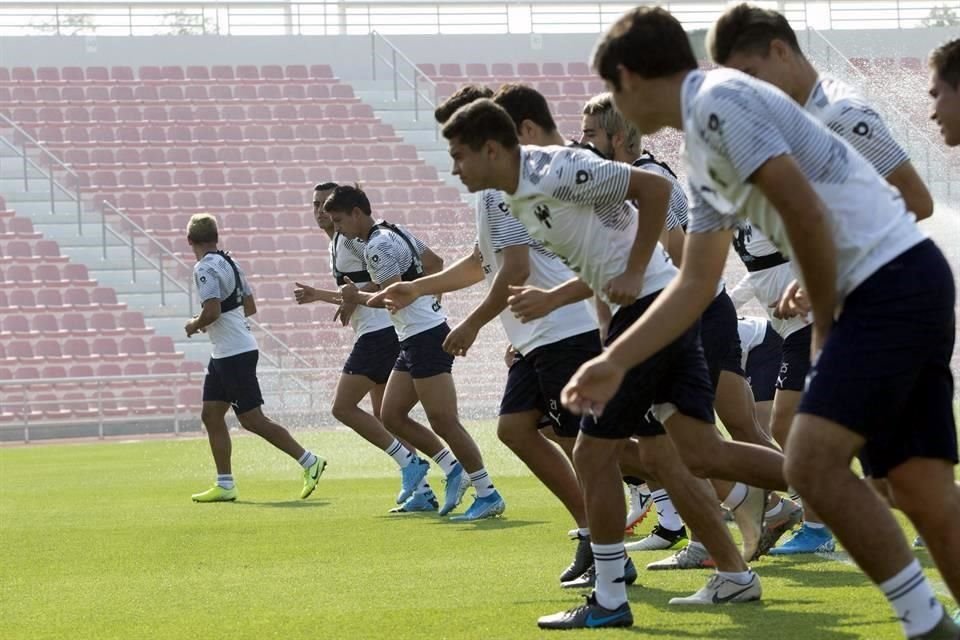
(403, 70)
(359, 17)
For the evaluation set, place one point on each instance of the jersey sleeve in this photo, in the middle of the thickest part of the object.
(581, 176)
(740, 125)
(705, 218)
(854, 121)
(208, 283)
(505, 230)
(383, 259)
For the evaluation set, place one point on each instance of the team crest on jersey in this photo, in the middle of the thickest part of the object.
(542, 212)
(375, 258)
(203, 279)
(713, 122)
(862, 129)
(582, 176)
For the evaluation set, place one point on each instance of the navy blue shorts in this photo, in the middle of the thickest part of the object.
(373, 355)
(536, 380)
(721, 338)
(422, 355)
(796, 360)
(884, 371)
(234, 380)
(676, 375)
(763, 365)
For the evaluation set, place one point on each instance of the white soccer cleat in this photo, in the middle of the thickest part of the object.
(640, 502)
(749, 519)
(720, 590)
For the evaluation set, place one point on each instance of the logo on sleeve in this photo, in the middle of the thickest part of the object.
(375, 258)
(862, 129)
(203, 279)
(713, 122)
(582, 176)
(542, 212)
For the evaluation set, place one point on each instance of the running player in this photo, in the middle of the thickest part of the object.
(422, 370)
(370, 362)
(883, 359)
(762, 354)
(945, 90)
(231, 380)
(575, 203)
(761, 43)
(547, 351)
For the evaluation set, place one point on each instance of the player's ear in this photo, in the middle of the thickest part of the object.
(779, 49)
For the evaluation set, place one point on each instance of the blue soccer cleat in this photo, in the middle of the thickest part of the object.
(418, 502)
(457, 483)
(806, 540)
(410, 478)
(492, 505)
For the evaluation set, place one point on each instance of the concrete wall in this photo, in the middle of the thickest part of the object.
(351, 55)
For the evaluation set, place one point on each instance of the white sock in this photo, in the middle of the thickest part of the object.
(482, 482)
(814, 525)
(400, 454)
(445, 461)
(225, 480)
(739, 577)
(307, 460)
(423, 487)
(611, 589)
(912, 598)
(736, 497)
(667, 515)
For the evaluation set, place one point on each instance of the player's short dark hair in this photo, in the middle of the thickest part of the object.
(346, 198)
(945, 61)
(325, 186)
(648, 41)
(748, 29)
(479, 122)
(462, 96)
(523, 102)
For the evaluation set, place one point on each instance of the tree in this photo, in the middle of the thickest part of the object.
(68, 24)
(941, 17)
(181, 23)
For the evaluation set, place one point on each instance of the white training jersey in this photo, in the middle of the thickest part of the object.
(346, 256)
(679, 208)
(753, 331)
(230, 333)
(497, 230)
(734, 123)
(574, 202)
(388, 255)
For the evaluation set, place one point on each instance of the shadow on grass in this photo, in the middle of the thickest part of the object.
(286, 504)
(489, 523)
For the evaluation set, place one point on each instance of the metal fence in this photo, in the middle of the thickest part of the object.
(358, 17)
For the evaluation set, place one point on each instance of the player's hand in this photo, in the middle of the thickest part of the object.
(530, 303)
(794, 302)
(624, 289)
(397, 296)
(344, 313)
(191, 327)
(349, 293)
(460, 339)
(510, 356)
(305, 294)
(592, 386)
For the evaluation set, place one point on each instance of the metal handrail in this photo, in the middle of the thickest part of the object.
(75, 194)
(418, 75)
(930, 145)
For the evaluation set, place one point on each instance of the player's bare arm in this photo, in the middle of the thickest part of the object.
(530, 303)
(463, 273)
(915, 193)
(208, 315)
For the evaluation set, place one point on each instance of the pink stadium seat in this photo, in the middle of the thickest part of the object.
(248, 72)
(220, 93)
(160, 344)
(553, 69)
(578, 69)
(44, 323)
(133, 346)
(47, 349)
(173, 73)
(76, 348)
(269, 92)
(19, 350)
(48, 74)
(318, 92)
(47, 273)
(97, 74)
(22, 74)
(321, 71)
(51, 298)
(528, 70)
(296, 72)
(104, 296)
(222, 73)
(294, 92)
(150, 74)
(272, 72)
(121, 74)
(16, 324)
(342, 91)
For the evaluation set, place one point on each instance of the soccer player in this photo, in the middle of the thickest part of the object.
(945, 90)
(605, 127)
(761, 43)
(231, 379)
(575, 203)
(370, 361)
(762, 354)
(882, 297)
(422, 370)
(547, 351)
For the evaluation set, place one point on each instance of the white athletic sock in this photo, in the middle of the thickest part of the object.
(225, 481)
(814, 525)
(445, 461)
(481, 482)
(740, 577)
(307, 460)
(611, 588)
(736, 497)
(667, 515)
(400, 454)
(912, 598)
(775, 511)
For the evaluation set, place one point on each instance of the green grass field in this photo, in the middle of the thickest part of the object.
(100, 540)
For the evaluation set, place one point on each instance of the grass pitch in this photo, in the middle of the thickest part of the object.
(101, 541)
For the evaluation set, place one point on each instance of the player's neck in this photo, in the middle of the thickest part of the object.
(200, 250)
(669, 102)
(509, 180)
(805, 79)
(366, 224)
(554, 139)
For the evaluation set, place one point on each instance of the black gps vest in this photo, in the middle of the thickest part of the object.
(415, 270)
(355, 276)
(235, 299)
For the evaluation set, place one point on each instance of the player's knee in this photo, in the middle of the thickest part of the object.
(342, 410)
(252, 421)
(514, 434)
(212, 420)
(443, 422)
(804, 473)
